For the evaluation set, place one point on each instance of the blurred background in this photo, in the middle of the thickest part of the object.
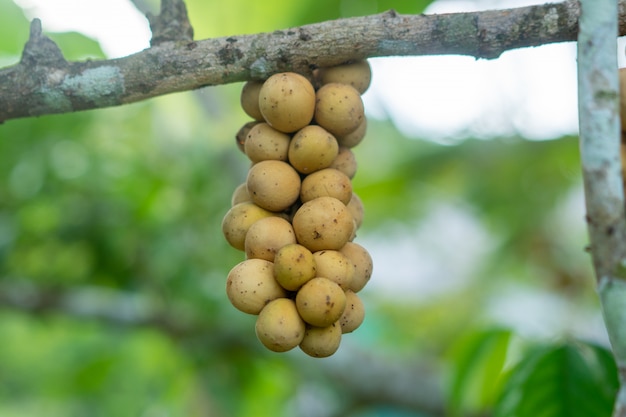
(113, 265)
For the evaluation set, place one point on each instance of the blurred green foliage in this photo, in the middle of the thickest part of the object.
(112, 262)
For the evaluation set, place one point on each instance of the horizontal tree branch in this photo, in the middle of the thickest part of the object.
(43, 82)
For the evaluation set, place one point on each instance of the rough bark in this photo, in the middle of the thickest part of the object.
(43, 82)
(598, 102)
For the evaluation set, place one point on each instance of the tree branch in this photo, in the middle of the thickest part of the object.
(172, 24)
(36, 87)
(598, 103)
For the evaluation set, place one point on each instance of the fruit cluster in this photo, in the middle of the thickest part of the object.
(296, 215)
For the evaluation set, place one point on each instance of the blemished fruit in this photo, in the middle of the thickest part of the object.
(323, 223)
(354, 313)
(266, 236)
(279, 326)
(321, 342)
(250, 285)
(327, 182)
(287, 101)
(320, 302)
(362, 262)
(296, 215)
(335, 266)
(263, 142)
(242, 133)
(345, 162)
(338, 108)
(294, 266)
(273, 185)
(238, 220)
(312, 148)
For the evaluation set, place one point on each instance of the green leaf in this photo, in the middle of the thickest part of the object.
(569, 380)
(479, 359)
(13, 30)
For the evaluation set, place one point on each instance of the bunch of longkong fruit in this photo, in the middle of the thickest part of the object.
(296, 216)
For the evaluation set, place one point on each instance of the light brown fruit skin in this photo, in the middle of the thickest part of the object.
(273, 185)
(287, 101)
(279, 326)
(352, 139)
(266, 236)
(250, 99)
(238, 220)
(312, 148)
(362, 262)
(320, 302)
(264, 142)
(345, 162)
(355, 205)
(357, 74)
(294, 266)
(242, 134)
(338, 108)
(240, 195)
(321, 342)
(327, 182)
(323, 223)
(250, 285)
(335, 266)
(354, 313)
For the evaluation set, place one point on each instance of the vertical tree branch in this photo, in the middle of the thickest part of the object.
(598, 104)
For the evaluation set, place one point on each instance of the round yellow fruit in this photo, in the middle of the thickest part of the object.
(240, 195)
(351, 139)
(250, 99)
(273, 185)
(242, 134)
(323, 223)
(294, 266)
(287, 101)
(345, 162)
(354, 313)
(264, 142)
(250, 285)
(335, 266)
(339, 108)
(355, 205)
(238, 220)
(362, 262)
(327, 182)
(357, 74)
(312, 148)
(320, 302)
(321, 342)
(279, 326)
(266, 236)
